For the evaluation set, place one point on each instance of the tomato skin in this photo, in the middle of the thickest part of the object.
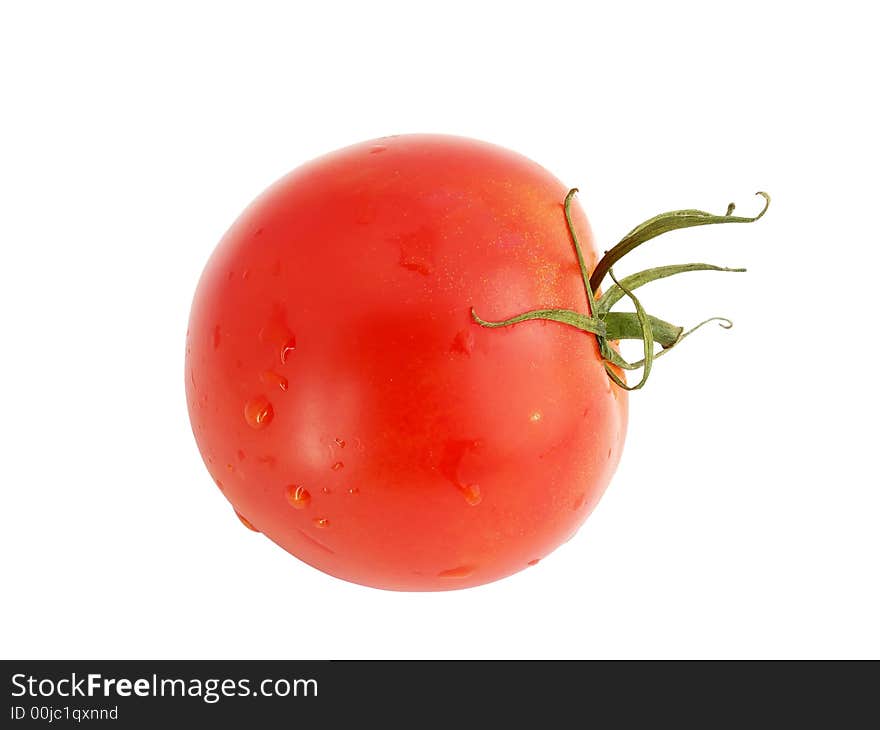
(332, 355)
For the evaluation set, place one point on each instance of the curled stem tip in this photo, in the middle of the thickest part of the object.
(723, 322)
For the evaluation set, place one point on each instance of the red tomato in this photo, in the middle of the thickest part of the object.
(348, 405)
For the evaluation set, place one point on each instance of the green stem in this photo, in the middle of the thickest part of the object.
(615, 359)
(647, 341)
(626, 326)
(664, 223)
(565, 316)
(566, 206)
(608, 326)
(634, 281)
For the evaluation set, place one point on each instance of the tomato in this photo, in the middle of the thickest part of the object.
(347, 403)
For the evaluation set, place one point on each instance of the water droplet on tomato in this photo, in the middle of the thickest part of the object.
(471, 494)
(337, 466)
(298, 496)
(241, 455)
(609, 453)
(258, 412)
(326, 490)
(321, 522)
(273, 379)
(245, 275)
(462, 571)
(340, 443)
(579, 502)
(454, 453)
(245, 521)
(534, 562)
(287, 350)
(314, 542)
(536, 416)
(354, 490)
(415, 253)
(463, 342)
(277, 333)
(376, 149)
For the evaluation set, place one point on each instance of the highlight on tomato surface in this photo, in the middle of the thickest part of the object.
(402, 362)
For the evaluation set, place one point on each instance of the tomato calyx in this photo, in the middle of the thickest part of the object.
(610, 326)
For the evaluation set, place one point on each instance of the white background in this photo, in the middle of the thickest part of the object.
(743, 520)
